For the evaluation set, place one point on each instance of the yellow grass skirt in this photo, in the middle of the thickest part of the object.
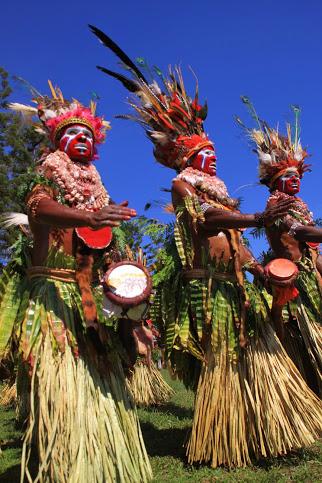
(148, 386)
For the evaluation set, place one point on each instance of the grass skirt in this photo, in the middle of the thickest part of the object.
(250, 403)
(305, 347)
(256, 408)
(81, 422)
(148, 386)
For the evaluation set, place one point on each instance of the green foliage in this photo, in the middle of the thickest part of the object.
(266, 256)
(257, 232)
(29, 179)
(19, 145)
(156, 239)
(148, 234)
(20, 252)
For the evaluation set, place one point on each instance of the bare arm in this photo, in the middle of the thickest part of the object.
(308, 234)
(219, 219)
(43, 209)
(250, 263)
(301, 233)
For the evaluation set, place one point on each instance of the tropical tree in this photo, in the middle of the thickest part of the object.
(18, 147)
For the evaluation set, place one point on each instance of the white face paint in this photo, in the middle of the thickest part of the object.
(290, 182)
(77, 141)
(207, 153)
(205, 161)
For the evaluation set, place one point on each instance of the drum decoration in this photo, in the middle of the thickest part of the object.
(127, 286)
(97, 239)
(282, 274)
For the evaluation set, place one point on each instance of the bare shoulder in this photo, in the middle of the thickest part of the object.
(182, 188)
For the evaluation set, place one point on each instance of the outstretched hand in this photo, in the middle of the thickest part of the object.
(276, 211)
(112, 215)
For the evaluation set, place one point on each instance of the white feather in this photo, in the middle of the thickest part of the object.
(13, 219)
(23, 109)
(155, 88)
(298, 154)
(49, 114)
(265, 158)
(159, 137)
(39, 130)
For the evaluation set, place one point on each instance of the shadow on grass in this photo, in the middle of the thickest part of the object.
(10, 443)
(291, 459)
(170, 442)
(171, 408)
(11, 475)
(164, 442)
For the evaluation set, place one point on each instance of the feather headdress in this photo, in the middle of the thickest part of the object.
(172, 120)
(56, 112)
(277, 153)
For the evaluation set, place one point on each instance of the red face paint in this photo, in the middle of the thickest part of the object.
(77, 142)
(289, 183)
(205, 161)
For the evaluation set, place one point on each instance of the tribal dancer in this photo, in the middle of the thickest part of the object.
(251, 400)
(81, 419)
(297, 307)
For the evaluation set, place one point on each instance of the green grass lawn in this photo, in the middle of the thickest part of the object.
(165, 429)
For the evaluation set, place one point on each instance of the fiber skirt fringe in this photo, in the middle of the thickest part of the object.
(257, 407)
(250, 403)
(83, 423)
(306, 312)
(148, 386)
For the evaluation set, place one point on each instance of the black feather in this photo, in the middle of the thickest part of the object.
(110, 44)
(203, 111)
(129, 84)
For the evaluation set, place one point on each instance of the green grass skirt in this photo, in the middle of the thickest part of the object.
(81, 421)
(303, 317)
(250, 403)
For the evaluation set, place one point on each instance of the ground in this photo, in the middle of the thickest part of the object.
(165, 429)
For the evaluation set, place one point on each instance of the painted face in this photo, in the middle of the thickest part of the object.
(289, 183)
(205, 161)
(77, 141)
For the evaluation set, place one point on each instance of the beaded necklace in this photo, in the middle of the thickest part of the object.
(213, 186)
(80, 183)
(299, 211)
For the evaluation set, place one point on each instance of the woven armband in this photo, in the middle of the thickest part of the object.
(294, 226)
(204, 207)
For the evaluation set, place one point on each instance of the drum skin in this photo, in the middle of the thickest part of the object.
(281, 270)
(121, 299)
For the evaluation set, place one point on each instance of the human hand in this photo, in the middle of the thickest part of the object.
(111, 215)
(276, 211)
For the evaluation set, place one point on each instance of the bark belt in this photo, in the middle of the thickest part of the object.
(203, 273)
(61, 274)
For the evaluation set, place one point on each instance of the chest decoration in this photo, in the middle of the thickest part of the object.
(82, 189)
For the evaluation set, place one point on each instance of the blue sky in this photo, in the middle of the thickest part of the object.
(270, 51)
